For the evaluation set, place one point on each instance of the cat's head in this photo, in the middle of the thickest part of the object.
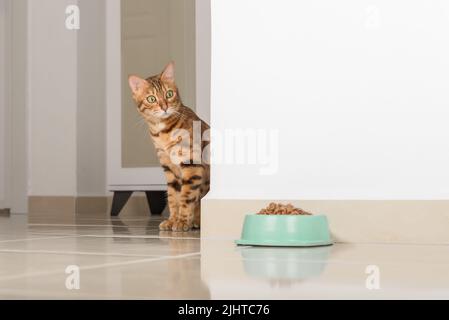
(157, 97)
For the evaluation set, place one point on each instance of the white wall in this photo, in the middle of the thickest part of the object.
(3, 105)
(357, 89)
(91, 119)
(13, 120)
(52, 103)
(19, 119)
(66, 103)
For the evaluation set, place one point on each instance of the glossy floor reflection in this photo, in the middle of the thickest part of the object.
(118, 259)
(128, 258)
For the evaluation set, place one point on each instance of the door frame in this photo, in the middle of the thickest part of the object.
(119, 178)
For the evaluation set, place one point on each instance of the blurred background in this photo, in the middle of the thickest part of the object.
(64, 91)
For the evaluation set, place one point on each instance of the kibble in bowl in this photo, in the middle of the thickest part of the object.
(276, 209)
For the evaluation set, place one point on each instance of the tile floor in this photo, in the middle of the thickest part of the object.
(128, 258)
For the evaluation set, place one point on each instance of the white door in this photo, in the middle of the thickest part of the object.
(142, 37)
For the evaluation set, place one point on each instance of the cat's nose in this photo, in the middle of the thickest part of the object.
(164, 107)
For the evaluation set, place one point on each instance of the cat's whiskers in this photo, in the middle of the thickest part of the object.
(180, 115)
(142, 124)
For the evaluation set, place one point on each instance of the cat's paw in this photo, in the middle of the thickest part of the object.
(167, 225)
(181, 226)
(197, 223)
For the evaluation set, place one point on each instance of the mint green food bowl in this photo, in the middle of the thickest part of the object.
(285, 231)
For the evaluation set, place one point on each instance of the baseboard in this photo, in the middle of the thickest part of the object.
(51, 205)
(91, 205)
(408, 222)
(5, 212)
(69, 208)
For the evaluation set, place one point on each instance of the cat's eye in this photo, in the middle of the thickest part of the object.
(170, 94)
(151, 99)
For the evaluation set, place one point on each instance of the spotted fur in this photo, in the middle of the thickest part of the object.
(158, 101)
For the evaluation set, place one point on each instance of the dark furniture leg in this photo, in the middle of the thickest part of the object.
(157, 201)
(119, 201)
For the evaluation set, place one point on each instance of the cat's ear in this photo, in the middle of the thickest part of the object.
(168, 75)
(137, 84)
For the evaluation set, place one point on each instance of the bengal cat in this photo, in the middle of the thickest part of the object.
(160, 104)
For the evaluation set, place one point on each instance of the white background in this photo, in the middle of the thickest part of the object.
(358, 89)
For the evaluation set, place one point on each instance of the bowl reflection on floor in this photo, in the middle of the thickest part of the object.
(285, 263)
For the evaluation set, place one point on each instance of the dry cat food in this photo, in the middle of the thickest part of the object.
(282, 209)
